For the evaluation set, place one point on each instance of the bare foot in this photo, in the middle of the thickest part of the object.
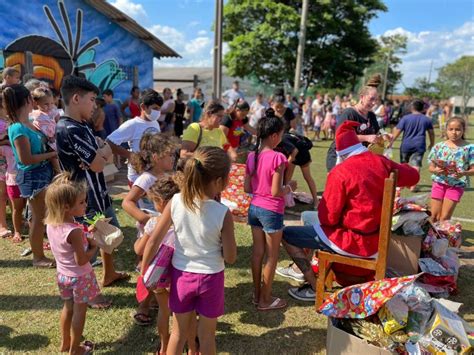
(117, 276)
(65, 348)
(17, 238)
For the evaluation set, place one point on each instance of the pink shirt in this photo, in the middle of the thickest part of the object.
(261, 181)
(63, 251)
(44, 123)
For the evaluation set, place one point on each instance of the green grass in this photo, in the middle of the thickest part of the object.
(30, 305)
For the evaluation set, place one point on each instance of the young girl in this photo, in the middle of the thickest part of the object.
(204, 240)
(161, 193)
(66, 199)
(155, 158)
(264, 179)
(326, 124)
(35, 171)
(451, 163)
(41, 117)
(7, 183)
(307, 115)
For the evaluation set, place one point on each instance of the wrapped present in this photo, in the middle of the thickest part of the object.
(362, 300)
(234, 196)
(157, 275)
(412, 203)
(450, 230)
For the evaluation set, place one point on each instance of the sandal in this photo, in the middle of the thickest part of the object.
(142, 319)
(6, 233)
(46, 246)
(101, 303)
(88, 347)
(45, 263)
(122, 276)
(277, 303)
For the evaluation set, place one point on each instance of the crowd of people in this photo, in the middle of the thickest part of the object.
(55, 147)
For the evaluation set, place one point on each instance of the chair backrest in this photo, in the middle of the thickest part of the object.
(386, 218)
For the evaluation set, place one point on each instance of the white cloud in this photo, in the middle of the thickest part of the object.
(130, 8)
(195, 52)
(441, 47)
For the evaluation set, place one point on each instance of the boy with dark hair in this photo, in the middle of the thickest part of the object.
(132, 131)
(85, 158)
(113, 120)
(414, 127)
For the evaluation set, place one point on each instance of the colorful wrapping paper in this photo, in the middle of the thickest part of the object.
(362, 300)
(235, 191)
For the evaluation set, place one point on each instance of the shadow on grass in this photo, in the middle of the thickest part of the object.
(16, 263)
(283, 341)
(25, 342)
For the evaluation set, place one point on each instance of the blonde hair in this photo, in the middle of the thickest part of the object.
(207, 165)
(151, 143)
(373, 82)
(62, 193)
(40, 93)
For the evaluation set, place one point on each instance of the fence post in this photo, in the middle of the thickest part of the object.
(195, 81)
(28, 63)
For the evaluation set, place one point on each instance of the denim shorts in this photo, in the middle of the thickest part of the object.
(31, 182)
(304, 237)
(269, 221)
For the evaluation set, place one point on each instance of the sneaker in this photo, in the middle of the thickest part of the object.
(303, 293)
(290, 273)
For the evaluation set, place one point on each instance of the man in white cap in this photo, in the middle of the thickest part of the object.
(348, 216)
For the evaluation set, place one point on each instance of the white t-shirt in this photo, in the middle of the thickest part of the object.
(258, 110)
(131, 132)
(233, 95)
(198, 246)
(145, 181)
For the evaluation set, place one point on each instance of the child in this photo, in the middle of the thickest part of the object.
(264, 179)
(132, 131)
(66, 199)
(80, 154)
(161, 193)
(35, 171)
(42, 120)
(11, 76)
(326, 124)
(307, 115)
(318, 119)
(154, 159)
(451, 163)
(8, 174)
(204, 240)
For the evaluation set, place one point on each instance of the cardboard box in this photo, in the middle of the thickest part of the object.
(339, 342)
(403, 254)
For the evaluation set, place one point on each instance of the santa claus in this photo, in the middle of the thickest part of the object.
(350, 209)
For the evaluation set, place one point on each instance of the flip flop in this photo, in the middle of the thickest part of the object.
(123, 276)
(141, 319)
(88, 347)
(105, 304)
(277, 303)
(46, 246)
(5, 234)
(48, 264)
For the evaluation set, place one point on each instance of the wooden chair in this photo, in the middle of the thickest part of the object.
(379, 265)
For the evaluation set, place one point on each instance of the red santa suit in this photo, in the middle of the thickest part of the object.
(350, 210)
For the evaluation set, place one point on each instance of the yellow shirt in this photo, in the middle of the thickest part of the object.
(210, 138)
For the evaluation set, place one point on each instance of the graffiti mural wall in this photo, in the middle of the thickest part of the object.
(70, 37)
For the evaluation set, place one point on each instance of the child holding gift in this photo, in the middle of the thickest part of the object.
(451, 163)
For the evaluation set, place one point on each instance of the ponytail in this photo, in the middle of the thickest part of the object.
(14, 98)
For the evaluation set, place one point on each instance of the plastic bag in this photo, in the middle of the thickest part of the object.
(289, 200)
(447, 333)
(439, 247)
(411, 217)
(158, 273)
(394, 315)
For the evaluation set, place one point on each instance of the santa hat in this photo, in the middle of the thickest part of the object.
(346, 138)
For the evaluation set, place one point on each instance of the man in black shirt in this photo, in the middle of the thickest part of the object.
(80, 154)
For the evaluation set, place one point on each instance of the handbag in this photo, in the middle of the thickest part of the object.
(177, 152)
(107, 236)
(158, 273)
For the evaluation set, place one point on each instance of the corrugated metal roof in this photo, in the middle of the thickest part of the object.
(160, 49)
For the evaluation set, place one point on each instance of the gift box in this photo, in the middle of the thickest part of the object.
(403, 254)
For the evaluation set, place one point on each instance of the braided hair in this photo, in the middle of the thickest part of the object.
(267, 125)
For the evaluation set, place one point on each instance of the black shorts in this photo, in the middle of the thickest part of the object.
(288, 144)
(413, 158)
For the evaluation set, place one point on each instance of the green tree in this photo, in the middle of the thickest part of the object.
(387, 59)
(421, 88)
(457, 79)
(263, 37)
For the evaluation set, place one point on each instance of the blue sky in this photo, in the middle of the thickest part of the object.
(437, 30)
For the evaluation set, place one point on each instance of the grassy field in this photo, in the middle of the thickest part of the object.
(30, 305)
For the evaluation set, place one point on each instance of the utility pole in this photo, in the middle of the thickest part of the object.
(429, 75)
(301, 43)
(385, 77)
(217, 73)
